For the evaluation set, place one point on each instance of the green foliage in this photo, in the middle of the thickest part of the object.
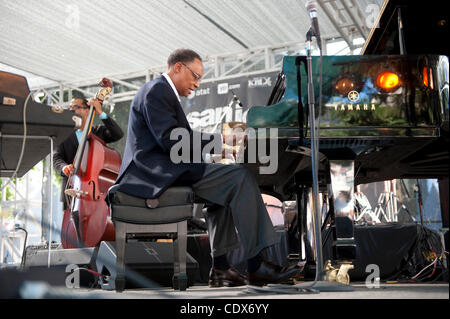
(57, 178)
(9, 194)
(120, 115)
(8, 189)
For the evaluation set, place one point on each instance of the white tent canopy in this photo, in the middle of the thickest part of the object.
(80, 39)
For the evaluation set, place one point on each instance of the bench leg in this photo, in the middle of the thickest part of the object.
(120, 253)
(179, 280)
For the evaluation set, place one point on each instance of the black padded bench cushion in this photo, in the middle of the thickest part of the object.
(174, 205)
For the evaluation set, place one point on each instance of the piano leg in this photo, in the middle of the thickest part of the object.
(327, 278)
(303, 200)
(342, 188)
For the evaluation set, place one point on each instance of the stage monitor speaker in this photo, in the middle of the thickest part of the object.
(57, 275)
(37, 256)
(146, 260)
(36, 259)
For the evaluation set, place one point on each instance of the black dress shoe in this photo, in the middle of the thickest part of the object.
(230, 278)
(269, 273)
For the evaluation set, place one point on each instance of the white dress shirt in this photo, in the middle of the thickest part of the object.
(207, 157)
(172, 85)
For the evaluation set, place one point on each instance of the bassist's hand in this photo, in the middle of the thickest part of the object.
(97, 105)
(68, 170)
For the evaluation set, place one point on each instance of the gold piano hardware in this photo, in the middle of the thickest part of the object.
(9, 101)
(354, 107)
(339, 274)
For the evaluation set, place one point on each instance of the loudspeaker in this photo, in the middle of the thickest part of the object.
(62, 261)
(148, 265)
(37, 255)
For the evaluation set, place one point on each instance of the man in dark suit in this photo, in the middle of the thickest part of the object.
(64, 156)
(148, 169)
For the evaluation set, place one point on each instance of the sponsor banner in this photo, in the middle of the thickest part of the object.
(213, 102)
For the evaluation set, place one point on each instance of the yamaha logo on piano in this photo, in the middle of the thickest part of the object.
(354, 107)
(353, 96)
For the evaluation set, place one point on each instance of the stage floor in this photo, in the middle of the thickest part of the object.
(385, 291)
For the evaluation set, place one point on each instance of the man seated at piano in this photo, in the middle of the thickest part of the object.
(236, 212)
(64, 156)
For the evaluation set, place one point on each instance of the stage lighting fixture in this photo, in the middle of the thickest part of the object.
(425, 76)
(388, 81)
(344, 85)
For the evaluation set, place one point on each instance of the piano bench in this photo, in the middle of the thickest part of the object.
(165, 216)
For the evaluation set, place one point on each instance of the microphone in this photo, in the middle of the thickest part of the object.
(78, 121)
(236, 99)
(311, 6)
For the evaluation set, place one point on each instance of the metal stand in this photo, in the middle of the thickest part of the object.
(225, 110)
(442, 232)
(314, 160)
(319, 284)
(364, 208)
(51, 177)
(388, 200)
(418, 192)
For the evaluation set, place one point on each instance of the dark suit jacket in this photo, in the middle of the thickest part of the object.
(147, 170)
(109, 132)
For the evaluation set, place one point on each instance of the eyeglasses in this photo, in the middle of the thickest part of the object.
(72, 108)
(196, 76)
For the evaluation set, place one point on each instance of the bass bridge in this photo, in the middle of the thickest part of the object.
(75, 193)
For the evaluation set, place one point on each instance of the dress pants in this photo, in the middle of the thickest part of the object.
(236, 213)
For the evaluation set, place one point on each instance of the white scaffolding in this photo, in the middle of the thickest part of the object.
(348, 19)
(25, 217)
(18, 213)
(217, 68)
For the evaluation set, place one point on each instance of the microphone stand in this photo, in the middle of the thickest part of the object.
(229, 106)
(314, 160)
(319, 284)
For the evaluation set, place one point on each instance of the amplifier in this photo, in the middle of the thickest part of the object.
(148, 265)
(37, 256)
(62, 263)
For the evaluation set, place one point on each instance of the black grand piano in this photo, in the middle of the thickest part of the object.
(383, 115)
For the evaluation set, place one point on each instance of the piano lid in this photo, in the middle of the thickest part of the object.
(425, 28)
(14, 84)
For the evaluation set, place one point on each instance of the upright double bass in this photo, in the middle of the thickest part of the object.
(87, 220)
